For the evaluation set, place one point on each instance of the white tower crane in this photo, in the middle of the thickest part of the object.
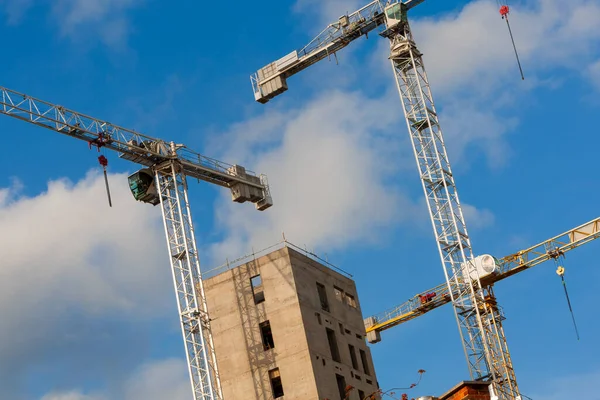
(479, 324)
(162, 182)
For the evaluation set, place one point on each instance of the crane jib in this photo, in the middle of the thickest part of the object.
(130, 145)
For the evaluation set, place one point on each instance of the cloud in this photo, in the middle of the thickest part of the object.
(167, 379)
(72, 395)
(578, 386)
(105, 19)
(327, 11)
(477, 218)
(156, 380)
(332, 167)
(472, 49)
(15, 9)
(594, 74)
(71, 268)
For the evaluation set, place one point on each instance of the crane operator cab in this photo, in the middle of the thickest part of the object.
(143, 186)
(395, 14)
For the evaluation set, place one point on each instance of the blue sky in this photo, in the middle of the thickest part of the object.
(85, 291)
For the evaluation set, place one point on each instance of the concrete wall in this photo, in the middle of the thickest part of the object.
(293, 308)
(344, 320)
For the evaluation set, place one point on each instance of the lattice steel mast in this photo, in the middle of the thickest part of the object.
(164, 182)
(478, 317)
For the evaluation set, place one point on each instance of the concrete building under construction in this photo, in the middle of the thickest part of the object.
(284, 324)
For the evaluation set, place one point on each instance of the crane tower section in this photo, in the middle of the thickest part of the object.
(478, 316)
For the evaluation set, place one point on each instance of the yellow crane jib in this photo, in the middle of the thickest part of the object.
(506, 266)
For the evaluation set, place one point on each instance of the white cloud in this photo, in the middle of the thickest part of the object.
(15, 9)
(583, 385)
(332, 167)
(594, 74)
(167, 379)
(156, 380)
(327, 11)
(477, 218)
(68, 263)
(72, 395)
(471, 50)
(105, 19)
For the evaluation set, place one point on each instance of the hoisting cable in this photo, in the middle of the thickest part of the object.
(504, 10)
(561, 272)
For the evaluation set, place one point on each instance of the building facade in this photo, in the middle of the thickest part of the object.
(287, 327)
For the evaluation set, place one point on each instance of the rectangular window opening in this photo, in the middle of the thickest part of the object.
(341, 328)
(361, 395)
(350, 300)
(333, 347)
(267, 335)
(353, 356)
(341, 383)
(276, 385)
(323, 296)
(365, 362)
(257, 289)
(339, 294)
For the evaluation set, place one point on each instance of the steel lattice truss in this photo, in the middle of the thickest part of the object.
(509, 265)
(185, 265)
(479, 322)
(130, 145)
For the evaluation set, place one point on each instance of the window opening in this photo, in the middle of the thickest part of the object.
(361, 394)
(350, 300)
(257, 289)
(365, 362)
(333, 347)
(339, 293)
(323, 296)
(353, 356)
(267, 335)
(276, 385)
(341, 383)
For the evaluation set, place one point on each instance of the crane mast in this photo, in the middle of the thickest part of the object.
(478, 317)
(164, 182)
(479, 321)
(505, 267)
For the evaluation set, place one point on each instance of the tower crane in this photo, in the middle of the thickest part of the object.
(500, 269)
(480, 328)
(163, 181)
